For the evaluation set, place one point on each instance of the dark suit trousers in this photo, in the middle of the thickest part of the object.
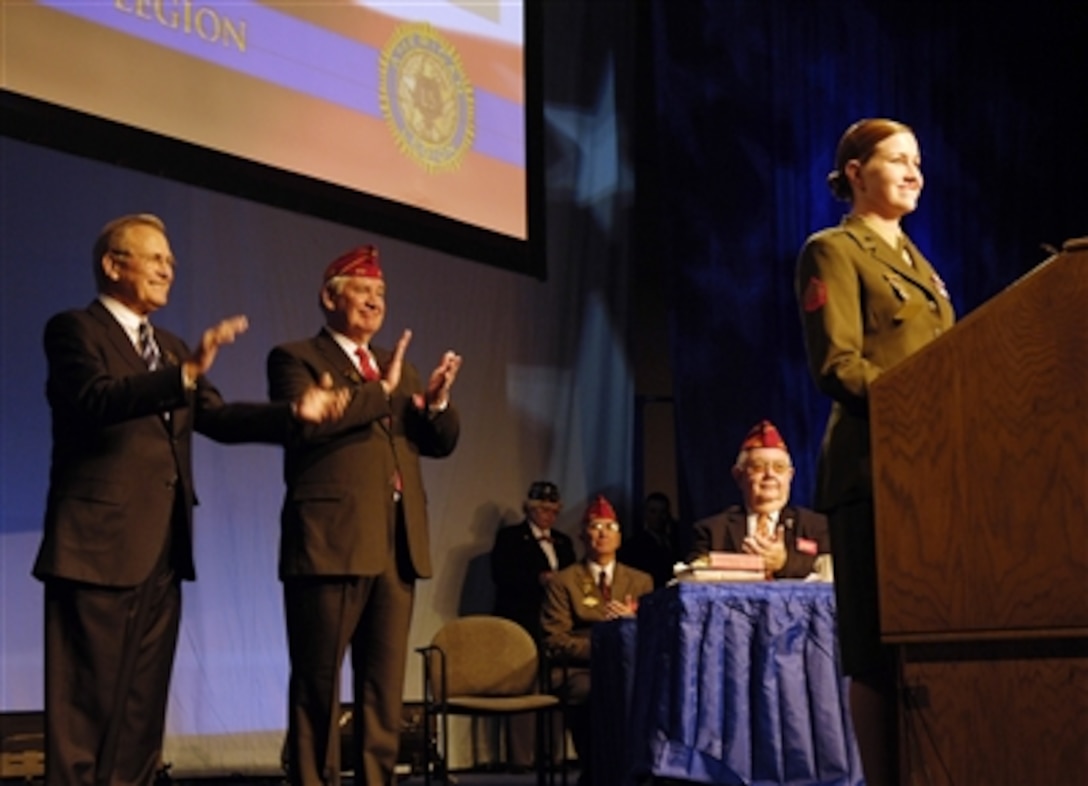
(109, 653)
(325, 615)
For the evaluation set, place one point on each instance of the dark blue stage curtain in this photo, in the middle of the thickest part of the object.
(751, 98)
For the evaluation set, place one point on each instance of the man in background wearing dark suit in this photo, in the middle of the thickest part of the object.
(125, 399)
(354, 534)
(526, 556)
(789, 539)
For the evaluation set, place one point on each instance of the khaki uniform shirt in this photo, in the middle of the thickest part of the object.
(864, 308)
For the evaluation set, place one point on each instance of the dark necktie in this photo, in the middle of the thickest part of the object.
(149, 350)
(604, 586)
(367, 365)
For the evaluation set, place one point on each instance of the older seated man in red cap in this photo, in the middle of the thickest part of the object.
(789, 539)
(596, 589)
(354, 533)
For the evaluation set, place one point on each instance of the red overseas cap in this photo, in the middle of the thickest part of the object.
(361, 261)
(763, 435)
(600, 509)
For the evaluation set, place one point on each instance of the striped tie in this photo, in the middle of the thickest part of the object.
(149, 350)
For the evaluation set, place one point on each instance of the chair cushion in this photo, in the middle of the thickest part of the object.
(486, 656)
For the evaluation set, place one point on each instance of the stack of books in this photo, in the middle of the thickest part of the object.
(723, 566)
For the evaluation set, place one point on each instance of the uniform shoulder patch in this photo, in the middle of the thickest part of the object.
(815, 295)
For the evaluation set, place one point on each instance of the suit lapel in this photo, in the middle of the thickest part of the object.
(621, 583)
(338, 363)
(736, 521)
(921, 273)
(533, 548)
(585, 581)
(128, 355)
(118, 338)
(381, 357)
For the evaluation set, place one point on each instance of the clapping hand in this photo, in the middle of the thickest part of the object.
(322, 403)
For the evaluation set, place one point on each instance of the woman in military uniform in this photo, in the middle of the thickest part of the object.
(868, 300)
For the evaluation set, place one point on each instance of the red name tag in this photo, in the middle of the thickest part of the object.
(806, 546)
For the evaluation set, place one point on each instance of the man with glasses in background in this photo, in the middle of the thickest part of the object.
(594, 590)
(789, 539)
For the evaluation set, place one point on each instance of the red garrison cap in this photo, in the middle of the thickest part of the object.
(361, 261)
(600, 508)
(763, 435)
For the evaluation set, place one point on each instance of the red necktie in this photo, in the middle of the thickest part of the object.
(370, 372)
(367, 365)
(604, 586)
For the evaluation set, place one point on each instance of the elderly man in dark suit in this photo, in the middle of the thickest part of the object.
(788, 538)
(125, 399)
(594, 590)
(526, 556)
(354, 535)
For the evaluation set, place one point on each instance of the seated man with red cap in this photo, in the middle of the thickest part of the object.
(354, 534)
(594, 590)
(788, 538)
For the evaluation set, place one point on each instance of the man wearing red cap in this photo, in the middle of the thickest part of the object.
(594, 590)
(354, 524)
(789, 539)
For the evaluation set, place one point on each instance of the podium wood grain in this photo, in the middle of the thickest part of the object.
(980, 464)
(1007, 721)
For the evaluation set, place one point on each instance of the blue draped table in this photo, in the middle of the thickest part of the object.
(736, 684)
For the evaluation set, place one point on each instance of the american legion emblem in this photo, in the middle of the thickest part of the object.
(426, 97)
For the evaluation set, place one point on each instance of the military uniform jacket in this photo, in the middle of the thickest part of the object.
(864, 308)
(573, 604)
(339, 509)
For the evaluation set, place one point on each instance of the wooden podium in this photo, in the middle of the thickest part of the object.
(980, 471)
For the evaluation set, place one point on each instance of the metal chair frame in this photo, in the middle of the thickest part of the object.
(438, 702)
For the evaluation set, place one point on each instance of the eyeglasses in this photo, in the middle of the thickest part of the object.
(603, 526)
(154, 259)
(758, 468)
